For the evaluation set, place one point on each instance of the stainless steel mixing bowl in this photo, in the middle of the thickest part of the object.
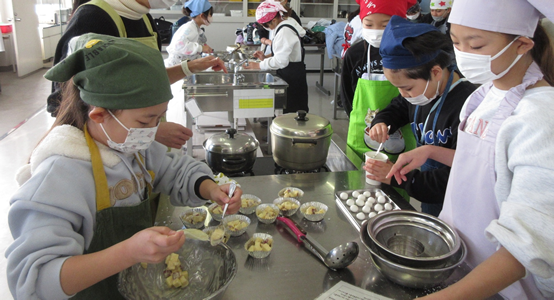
(211, 269)
(413, 239)
(420, 278)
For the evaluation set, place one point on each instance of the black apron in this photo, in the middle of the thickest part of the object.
(113, 225)
(295, 75)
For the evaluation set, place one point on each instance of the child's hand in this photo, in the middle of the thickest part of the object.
(379, 170)
(207, 49)
(379, 132)
(173, 135)
(153, 244)
(220, 195)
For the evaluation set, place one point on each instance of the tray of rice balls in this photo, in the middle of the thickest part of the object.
(363, 204)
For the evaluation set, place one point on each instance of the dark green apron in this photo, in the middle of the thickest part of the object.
(113, 225)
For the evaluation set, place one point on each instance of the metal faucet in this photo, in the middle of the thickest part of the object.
(237, 76)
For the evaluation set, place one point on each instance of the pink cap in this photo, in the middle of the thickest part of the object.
(267, 10)
(518, 17)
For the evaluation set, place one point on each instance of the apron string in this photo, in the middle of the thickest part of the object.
(100, 179)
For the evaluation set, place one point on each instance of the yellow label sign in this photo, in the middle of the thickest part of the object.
(256, 103)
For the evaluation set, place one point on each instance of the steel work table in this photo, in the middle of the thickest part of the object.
(291, 271)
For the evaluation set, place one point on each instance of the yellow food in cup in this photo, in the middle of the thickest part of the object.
(312, 210)
(267, 213)
(218, 210)
(260, 244)
(174, 276)
(247, 202)
(194, 218)
(236, 225)
(289, 193)
(287, 205)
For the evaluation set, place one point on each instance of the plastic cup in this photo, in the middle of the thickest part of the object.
(376, 156)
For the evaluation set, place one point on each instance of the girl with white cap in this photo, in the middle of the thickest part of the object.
(499, 194)
(288, 53)
(189, 41)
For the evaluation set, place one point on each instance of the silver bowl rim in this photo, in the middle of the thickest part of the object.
(435, 259)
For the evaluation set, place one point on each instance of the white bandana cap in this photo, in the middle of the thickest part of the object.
(440, 4)
(517, 17)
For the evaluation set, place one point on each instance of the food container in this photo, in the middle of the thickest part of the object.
(6, 28)
(209, 230)
(266, 206)
(287, 212)
(317, 216)
(251, 208)
(413, 239)
(373, 202)
(259, 253)
(234, 218)
(419, 278)
(291, 192)
(215, 216)
(231, 152)
(194, 224)
(300, 141)
(218, 263)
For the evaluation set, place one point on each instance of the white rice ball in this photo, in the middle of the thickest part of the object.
(367, 194)
(360, 202)
(354, 208)
(350, 202)
(360, 216)
(361, 197)
(343, 196)
(381, 199)
(378, 207)
(371, 200)
(366, 209)
(388, 206)
(371, 215)
(355, 194)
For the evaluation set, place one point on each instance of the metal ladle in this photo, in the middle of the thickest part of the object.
(338, 258)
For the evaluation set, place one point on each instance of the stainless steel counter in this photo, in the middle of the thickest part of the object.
(291, 271)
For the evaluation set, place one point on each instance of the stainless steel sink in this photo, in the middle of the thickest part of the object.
(244, 79)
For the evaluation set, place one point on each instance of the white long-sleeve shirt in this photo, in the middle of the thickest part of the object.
(286, 47)
(185, 44)
(524, 165)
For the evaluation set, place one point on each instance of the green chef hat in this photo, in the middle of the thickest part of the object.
(114, 73)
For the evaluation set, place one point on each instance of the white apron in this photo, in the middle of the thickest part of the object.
(470, 203)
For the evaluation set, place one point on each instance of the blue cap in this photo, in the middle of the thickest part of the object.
(197, 6)
(394, 54)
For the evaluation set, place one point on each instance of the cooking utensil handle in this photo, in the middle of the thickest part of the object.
(209, 95)
(234, 161)
(317, 246)
(298, 141)
(293, 227)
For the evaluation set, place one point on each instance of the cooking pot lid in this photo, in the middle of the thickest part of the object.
(231, 142)
(301, 125)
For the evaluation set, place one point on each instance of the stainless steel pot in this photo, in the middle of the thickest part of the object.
(231, 152)
(300, 141)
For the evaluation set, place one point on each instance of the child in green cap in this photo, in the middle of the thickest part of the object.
(83, 211)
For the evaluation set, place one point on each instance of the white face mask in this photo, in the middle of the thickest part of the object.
(438, 18)
(422, 99)
(477, 67)
(161, 4)
(413, 17)
(137, 138)
(373, 36)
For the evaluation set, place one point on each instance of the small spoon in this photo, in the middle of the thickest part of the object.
(219, 232)
(381, 145)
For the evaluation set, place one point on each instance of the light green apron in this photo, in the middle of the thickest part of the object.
(150, 41)
(113, 224)
(375, 95)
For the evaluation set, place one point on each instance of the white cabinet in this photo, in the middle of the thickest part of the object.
(50, 38)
